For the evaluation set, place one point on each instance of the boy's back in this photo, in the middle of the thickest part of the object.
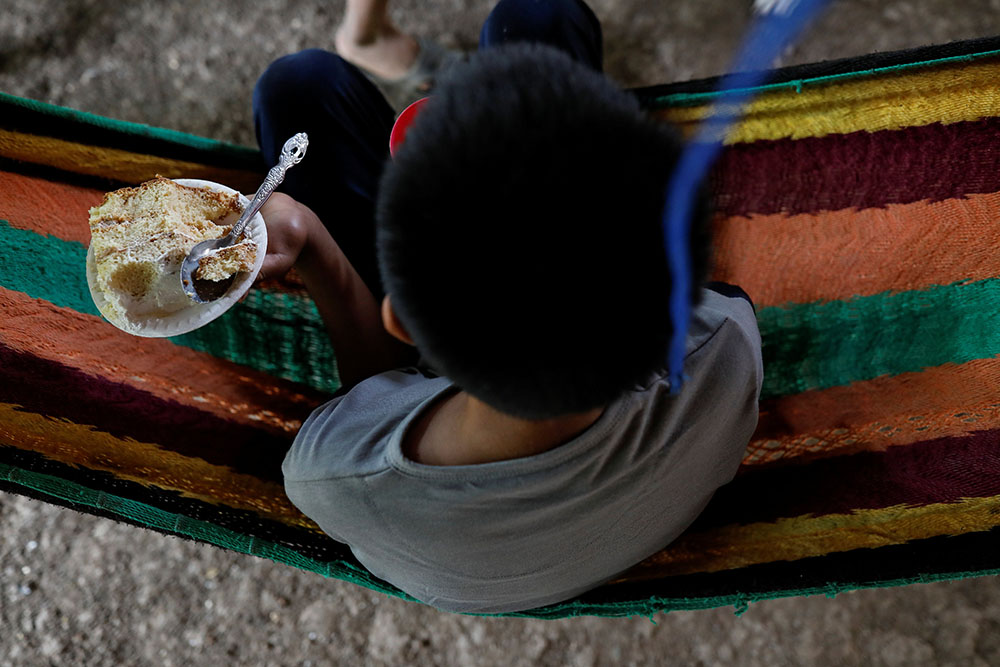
(521, 533)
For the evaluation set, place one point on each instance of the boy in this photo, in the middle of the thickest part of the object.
(535, 451)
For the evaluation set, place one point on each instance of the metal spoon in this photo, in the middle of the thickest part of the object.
(203, 291)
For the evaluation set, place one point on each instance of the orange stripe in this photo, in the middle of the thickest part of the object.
(166, 370)
(47, 207)
(840, 254)
(114, 163)
(736, 546)
(949, 400)
(146, 463)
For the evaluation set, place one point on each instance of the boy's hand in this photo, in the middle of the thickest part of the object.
(296, 237)
(288, 224)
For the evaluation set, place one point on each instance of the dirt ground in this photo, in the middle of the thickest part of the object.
(76, 590)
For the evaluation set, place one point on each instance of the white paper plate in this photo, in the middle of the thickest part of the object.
(197, 314)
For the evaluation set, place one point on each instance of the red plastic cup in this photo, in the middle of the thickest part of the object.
(403, 124)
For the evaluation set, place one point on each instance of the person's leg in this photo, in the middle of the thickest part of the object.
(348, 123)
(569, 25)
(367, 38)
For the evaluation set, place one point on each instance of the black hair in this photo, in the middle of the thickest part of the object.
(519, 233)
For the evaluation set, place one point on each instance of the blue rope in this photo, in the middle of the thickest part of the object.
(768, 37)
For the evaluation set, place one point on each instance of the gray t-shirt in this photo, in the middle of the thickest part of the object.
(522, 533)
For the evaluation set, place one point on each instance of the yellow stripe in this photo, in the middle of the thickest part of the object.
(115, 163)
(148, 464)
(736, 546)
(944, 94)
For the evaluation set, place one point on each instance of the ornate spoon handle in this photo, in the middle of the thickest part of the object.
(291, 154)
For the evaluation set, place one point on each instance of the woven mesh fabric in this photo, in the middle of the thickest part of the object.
(856, 204)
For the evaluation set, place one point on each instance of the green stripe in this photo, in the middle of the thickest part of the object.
(243, 153)
(203, 531)
(806, 346)
(820, 345)
(277, 333)
(694, 99)
(45, 267)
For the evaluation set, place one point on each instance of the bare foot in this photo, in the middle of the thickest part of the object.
(388, 54)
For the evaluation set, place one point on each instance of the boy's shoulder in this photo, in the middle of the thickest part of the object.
(347, 435)
(723, 344)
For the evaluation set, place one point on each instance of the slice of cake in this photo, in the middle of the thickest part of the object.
(224, 262)
(141, 235)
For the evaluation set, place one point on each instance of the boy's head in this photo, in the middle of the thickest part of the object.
(520, 234)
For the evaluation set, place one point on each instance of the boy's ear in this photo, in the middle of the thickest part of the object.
(392, 323)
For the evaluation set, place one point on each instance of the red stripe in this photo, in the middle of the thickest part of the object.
(860, 169)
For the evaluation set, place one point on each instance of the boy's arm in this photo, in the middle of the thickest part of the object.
(297, 237)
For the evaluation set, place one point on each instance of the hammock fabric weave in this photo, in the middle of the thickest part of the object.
(858, 204)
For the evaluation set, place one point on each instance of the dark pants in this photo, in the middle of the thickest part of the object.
(348, 120)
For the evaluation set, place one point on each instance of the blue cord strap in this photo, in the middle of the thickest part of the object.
(768, 37)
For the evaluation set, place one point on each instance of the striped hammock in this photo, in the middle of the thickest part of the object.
(858, 203)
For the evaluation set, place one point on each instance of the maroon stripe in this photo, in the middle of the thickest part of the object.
(860, 169)
(52, 389)
(934, 471)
